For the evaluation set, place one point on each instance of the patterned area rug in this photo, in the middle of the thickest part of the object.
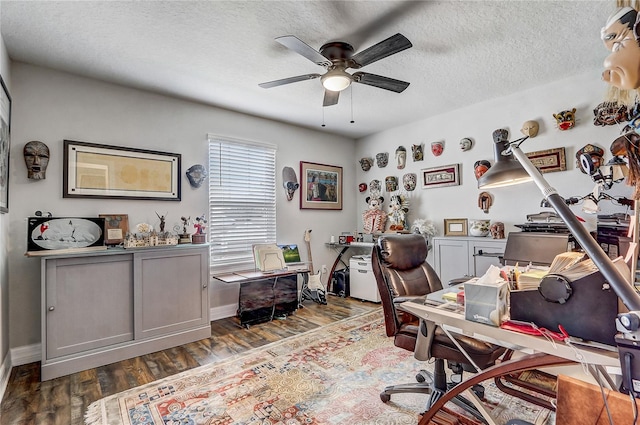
(331, 375)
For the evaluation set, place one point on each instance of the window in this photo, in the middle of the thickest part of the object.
(242, 201)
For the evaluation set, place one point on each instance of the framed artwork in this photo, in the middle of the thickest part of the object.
(5, 144)
(455, 227)
(102, 171)
(549, 160)
(321, 186)
(116, 227)
(64, 233)
(446, 175)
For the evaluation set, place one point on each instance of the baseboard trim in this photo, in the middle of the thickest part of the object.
(5, 372)
(222, 312)
(26, 354)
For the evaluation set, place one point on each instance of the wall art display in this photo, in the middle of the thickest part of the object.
(5, 143)
(417, 151)
(446, 175)
(101, 171)
(116, 227)
(455, 227)
(46, 233)
(382, 159)
(322, 186)
(549, 160)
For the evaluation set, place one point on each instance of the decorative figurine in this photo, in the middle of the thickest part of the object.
(382, 159)
(36, 157)
(437, 148)
(497, 230)
(374, 218)
(466, 144)
(401, 157)
(162, 221)
(530, 128)
(290, 182)
(418, 152)
(196, 175)
(366, 163)
(199, 236)
(398, 209)
(566, 120)
(185, 237)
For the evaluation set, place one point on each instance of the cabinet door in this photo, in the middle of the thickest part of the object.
(483, 254)
(88, 303)
(451, 259)
(171, 290)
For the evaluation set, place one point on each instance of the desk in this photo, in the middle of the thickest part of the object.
(264, 296)
(342, 249)
(539, 352)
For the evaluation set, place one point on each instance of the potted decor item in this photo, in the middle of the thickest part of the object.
(479, 227)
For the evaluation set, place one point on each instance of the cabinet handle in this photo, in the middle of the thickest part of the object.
(51, 308)
(205, 286)
(362, 271)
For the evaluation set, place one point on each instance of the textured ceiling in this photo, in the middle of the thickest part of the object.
(217, 52)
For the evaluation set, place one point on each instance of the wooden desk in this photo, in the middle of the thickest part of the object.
(265, 295)
(539, 352)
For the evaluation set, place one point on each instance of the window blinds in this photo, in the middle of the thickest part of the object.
(242, 201)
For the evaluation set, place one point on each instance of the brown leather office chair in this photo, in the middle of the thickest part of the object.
(402, 273)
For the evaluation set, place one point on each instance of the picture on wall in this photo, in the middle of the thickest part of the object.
(446, 175)
(321, 186)
(5, 143)
(550, 160)
(101, 171)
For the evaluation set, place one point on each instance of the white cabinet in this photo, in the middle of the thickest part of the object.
(107, 306)
(456, 257)
(362, 282)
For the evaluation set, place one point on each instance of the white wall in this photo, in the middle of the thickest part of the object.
(510, 204)
(52, 106)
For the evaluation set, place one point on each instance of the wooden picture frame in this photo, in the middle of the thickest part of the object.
(550, 160)
(102, 171)
(455, 227)
(321, 187)
(446, 175)
(116, 227)
(5, 144)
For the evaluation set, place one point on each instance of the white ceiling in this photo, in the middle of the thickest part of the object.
(216, 52)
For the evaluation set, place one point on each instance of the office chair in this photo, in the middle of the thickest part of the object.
(402, 273)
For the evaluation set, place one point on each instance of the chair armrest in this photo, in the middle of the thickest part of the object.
(400, 300)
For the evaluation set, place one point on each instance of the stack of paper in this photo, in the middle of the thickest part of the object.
(531, 279)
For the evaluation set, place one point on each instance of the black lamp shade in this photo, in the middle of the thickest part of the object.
(505, 172)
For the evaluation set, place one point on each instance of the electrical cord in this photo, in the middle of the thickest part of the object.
(627, 382)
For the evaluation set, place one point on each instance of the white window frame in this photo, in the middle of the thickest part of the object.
(242, 201)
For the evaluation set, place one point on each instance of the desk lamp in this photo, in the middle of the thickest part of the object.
(628, 324)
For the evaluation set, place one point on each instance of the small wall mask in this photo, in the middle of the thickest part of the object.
(196, 175)
(437, 148)
(391, 183)
(290, 182)
(500, 135)
(36, 157)
(530, 128)
(401, 157)
(565, 120)
(418, 152)
(375, 186)
(382, 159)
(596, 153)
(481, 167)
(409, 181)
(366, 163)
(466, 144)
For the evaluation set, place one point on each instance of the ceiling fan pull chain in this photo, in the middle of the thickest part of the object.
(323, 116)
(352, 121)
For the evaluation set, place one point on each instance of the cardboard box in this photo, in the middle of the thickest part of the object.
(486, 303)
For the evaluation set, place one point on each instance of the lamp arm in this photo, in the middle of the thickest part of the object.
(621, 287)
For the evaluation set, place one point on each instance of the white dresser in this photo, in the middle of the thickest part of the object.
(459, 256)
(362, 283)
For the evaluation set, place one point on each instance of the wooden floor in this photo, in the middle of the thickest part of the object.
(64, 400)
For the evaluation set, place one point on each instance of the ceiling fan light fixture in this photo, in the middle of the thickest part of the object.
(336, 80)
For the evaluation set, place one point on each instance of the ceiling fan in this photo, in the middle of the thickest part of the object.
(337, 57)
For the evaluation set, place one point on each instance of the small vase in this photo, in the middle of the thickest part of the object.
(479, 228)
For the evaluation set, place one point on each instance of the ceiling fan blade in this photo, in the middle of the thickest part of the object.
(294, 43)
(330, 97)
(380, 81)
(392, 45)
(289, 80)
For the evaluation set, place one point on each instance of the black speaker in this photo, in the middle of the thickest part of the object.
(340, 282)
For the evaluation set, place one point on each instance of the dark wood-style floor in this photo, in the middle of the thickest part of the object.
(64, 400)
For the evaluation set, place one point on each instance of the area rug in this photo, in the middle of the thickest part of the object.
(331, 375)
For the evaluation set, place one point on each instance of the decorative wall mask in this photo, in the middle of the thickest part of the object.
(466, 144)
(620, 37)
(565, 120)
(530, 128)
(290, 182)
(366, 163)
(500, 135)
(375, 186)
(610, 113)
(596, 153)
(382, 159)
(362, 187)
(391, 183)
(417, 152)
(437, 148)
(481, 167)
(409, 181)
(36, 157)
(485, 200)
(401, 157)
(196, 175)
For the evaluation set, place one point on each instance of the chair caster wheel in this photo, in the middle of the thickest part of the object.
(385, 397)
(420, 378)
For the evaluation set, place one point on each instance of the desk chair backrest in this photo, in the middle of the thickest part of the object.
(401, 270)
(537, 248)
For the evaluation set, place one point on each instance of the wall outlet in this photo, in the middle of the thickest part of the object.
(324, 269)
